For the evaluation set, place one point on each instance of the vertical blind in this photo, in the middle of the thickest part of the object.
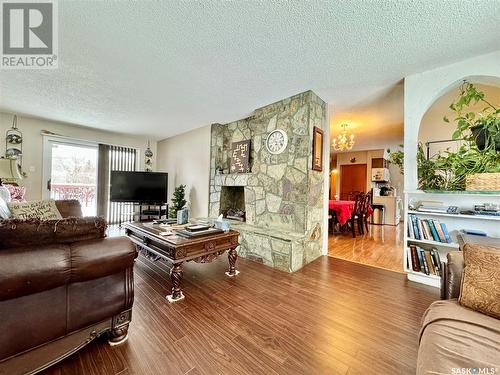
(114, 158)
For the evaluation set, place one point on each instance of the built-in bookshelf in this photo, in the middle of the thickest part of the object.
(453, 223)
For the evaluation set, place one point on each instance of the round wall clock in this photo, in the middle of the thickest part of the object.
(276, 141)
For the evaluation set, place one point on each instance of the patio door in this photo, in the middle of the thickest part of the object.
(70, 172)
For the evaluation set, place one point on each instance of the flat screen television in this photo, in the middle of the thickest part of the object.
(138, 187)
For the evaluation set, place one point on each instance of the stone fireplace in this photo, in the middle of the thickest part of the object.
(282, 196)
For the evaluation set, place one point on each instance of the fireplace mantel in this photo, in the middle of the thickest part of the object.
(232, 179)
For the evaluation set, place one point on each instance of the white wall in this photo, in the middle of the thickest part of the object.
(33, 145)
(186, 159)
(422, 89)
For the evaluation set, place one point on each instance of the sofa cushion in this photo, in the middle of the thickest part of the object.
(42, 210)
(69, 208)
(97, 258)
(480, 289)
(453, 336)
(33, 269)
(19, 233)
(17, 193)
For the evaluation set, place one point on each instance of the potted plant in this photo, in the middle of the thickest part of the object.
(482, 128)
(178, 201)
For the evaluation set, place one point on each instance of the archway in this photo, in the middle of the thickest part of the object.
(422, 89)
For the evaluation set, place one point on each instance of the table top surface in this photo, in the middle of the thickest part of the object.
(341, 203)
(154, 230)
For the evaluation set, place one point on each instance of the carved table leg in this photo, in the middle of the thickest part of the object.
(176, 277)
(232, 256)
(118, 335)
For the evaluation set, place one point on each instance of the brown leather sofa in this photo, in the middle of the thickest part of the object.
(455, 339)
(62, 284)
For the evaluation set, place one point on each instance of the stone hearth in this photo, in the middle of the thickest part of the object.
(282, 194)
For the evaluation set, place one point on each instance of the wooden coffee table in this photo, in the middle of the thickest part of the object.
(177, 250)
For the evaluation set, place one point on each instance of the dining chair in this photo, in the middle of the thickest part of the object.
(352, 195)
(332, 220)
(365, 211)
(356, 214)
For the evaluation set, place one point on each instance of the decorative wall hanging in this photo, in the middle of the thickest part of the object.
(317, 150)
(14, 142)
(14, 145)
(240, 157)
(148, 159)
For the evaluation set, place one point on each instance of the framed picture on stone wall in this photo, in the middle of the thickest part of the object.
(240, 157)
(317, 150)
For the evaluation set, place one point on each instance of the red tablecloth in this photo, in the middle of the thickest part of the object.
(344, 209)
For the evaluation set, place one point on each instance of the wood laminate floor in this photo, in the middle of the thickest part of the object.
(331, 317)
(382, 247)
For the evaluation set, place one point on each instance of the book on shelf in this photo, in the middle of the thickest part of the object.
(427, 229)
(424, 261)
(433, 209)
(414, 221)
(434, 233)
(445, 232)
(436, 260)
(421, 260)
(430, 265)
(410, 228)
(439, 231)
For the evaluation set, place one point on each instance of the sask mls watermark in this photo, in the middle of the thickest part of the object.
(29, 35)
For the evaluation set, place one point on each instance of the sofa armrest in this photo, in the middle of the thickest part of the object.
(451, 277)
(101, 257)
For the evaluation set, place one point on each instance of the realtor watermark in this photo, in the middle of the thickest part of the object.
(29, 34)
(474, 371)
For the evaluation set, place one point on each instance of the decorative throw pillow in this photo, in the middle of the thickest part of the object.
(480, 289)
(42, 210)
(4, 209)
(17, 193)
(5, 194)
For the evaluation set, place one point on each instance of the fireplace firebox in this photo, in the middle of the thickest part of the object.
(232, 202)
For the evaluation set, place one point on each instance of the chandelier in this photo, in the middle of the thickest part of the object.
(342, 142)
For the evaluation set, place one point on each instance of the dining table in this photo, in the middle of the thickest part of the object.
(343, 209)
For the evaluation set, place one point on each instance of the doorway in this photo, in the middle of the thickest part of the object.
(352, 179)
(70, 172)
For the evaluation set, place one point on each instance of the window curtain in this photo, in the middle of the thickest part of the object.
(114, 158)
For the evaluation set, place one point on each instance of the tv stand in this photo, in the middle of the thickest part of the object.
(150, 211)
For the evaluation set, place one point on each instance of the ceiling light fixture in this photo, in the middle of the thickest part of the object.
(342, 142)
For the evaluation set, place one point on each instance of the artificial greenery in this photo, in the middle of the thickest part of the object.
(178, 201)
(448, 170)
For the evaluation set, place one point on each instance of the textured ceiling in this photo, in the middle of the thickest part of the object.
(162, 68)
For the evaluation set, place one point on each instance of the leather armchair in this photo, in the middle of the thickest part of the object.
(451, 277)
(64, 287)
